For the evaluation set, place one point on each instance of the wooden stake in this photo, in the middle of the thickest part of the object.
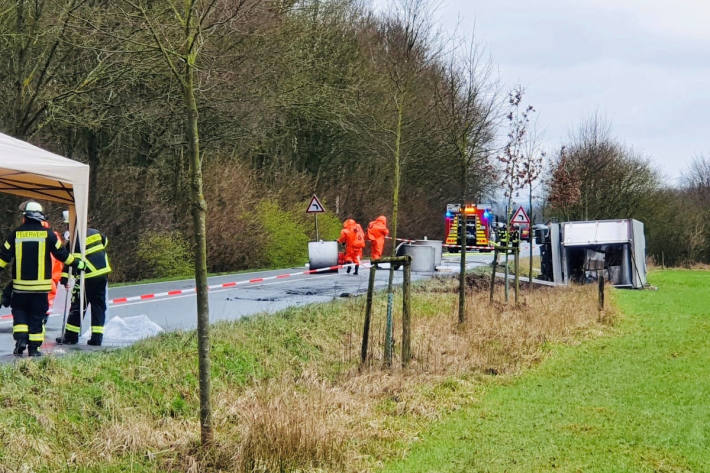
(601, 291)
(368, 314)
(517, 272)
(406, 307)
(493, 272)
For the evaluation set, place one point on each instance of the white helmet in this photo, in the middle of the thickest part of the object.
(32, 210)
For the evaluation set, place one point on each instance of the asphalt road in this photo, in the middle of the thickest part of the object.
(179, 312)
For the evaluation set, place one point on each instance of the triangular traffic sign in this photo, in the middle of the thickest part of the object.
(520, 217)
(315, 207)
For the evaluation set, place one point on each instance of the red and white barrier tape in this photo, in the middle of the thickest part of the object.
(225, 285)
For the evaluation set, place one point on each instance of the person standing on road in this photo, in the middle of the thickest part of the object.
(376, 233)
(57, 268)
(96, 288)
(30, 247)
(354, 239)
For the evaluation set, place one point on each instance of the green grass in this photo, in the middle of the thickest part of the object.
(53, 408)
(635, 402)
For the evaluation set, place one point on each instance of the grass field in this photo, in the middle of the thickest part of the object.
(287, 392)
(638, 401)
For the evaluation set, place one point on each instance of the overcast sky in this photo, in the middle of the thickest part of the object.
(643, 65)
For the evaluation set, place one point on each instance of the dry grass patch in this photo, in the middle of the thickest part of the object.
(288, 392)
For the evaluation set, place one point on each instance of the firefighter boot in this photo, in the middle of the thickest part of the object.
(357, 267)
(20, 346)
(69, 338)
(96, 339)
(348, 270)
(33, 351)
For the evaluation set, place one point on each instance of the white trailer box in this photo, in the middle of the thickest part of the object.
(621, 241)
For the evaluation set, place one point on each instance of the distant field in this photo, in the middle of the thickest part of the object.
(637, 402)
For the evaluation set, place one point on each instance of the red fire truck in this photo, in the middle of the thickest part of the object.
(478, 217)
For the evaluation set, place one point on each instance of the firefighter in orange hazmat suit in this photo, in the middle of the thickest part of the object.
(376, 233)
(354, 239)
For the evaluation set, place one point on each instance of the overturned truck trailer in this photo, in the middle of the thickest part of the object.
(580, 251)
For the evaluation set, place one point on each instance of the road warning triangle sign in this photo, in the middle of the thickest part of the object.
(520, 217)
(315, 207)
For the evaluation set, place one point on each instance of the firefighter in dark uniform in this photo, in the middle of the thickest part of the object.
(30, 247)
(95, 287)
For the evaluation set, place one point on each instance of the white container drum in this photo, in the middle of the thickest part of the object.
(437, 245)
(322, 254)
(423, 257)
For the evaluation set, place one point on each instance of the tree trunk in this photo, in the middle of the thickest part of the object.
(462, 268)
(462, 221)
(92, 152)
(395, 191)
(395, 207)
(507, 244)
(199, 212)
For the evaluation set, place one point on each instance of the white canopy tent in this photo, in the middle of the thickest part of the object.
(32, 172)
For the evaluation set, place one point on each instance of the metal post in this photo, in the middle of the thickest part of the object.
(368, 315)
(390, 297)
(406, 314)
(388, 331)
(317, 238)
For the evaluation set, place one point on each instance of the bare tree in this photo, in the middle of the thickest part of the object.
(595, 177)
(40, 65)
(533, 165)
(563, 185)
(466, 111)
(697, 179)
(177, 33)
(512, 158)
(404, 51)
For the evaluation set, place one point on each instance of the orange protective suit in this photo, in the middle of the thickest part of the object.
(57, 268)
(376, 233)
(354, 239)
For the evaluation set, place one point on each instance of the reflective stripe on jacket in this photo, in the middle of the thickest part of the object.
(96, 259)
(30, 248)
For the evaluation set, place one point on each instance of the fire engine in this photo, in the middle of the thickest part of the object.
(478, 217)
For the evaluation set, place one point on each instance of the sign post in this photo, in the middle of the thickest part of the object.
(315, 207)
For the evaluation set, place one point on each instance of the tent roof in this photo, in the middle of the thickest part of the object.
(29, 171)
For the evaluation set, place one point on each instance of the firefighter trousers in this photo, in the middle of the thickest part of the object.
(29, 310)
(96, 290)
